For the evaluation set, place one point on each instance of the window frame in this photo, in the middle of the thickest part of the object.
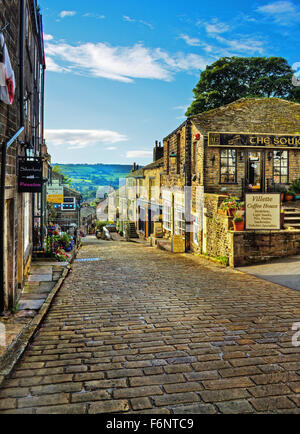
(287, 159)
(220, 166)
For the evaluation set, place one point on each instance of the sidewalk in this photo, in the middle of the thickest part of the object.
(42, 284)
(283, 271)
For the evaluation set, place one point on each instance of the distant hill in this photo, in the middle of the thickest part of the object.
(86, 178)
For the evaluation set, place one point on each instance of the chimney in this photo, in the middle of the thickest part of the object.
(158, 151)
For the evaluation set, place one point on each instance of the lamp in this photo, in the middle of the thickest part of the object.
(270, 155)
(213, 159)
(173, 157)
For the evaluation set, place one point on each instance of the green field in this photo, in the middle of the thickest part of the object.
(86, 178)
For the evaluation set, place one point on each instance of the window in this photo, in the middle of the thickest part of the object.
(227, 166)
(179, 221)
(196, 228)
(167, 221)
(280, 167)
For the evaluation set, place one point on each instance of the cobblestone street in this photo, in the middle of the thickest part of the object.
(146, 331)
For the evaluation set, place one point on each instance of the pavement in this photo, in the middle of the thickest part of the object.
(284, 271)
(140, 330)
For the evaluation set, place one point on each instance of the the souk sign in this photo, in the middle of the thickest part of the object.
(30, 175)
(241, 140)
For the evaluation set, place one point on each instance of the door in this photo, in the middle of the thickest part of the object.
(254, 171)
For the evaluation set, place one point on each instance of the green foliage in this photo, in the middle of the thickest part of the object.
(295, 187)
(87, 178)
(65, 178)
(231, 78)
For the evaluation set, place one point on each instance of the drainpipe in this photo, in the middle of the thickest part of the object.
(5, 146)
(21, 72)
(188, 184)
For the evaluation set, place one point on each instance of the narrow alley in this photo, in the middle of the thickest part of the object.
(139, 330)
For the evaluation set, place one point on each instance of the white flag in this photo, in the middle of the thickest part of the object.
(7, 75)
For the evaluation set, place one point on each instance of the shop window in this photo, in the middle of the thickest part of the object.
(167, 220)
(227, 166)
(280, 167)
(179, 221)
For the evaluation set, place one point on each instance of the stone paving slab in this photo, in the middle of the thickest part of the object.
(145, 331)
(40, 278)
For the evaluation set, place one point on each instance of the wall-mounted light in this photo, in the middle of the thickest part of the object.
(241, 156)
(213, 159)
(173, 157)
(270, 155)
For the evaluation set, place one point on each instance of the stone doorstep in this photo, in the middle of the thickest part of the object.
(40, 269)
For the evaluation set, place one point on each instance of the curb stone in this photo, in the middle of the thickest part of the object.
(15, 350)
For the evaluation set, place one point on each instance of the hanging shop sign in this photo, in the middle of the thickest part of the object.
(30, 175)
(55, 192)
(262, 211)
(240, 140)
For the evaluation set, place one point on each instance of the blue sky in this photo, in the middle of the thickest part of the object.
(120, 73)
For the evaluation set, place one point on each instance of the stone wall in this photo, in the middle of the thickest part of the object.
(257, 247)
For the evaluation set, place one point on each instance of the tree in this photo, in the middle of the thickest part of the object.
(66, 179)
(231, 78)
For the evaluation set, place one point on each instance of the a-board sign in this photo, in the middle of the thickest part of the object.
(262, 211)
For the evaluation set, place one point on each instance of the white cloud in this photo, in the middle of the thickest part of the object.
(282, 12)
(214, 27)
(79, 139)
(93, 15)
(120, 63)
(64, 14)
(52, 66)
(111, 148)
(139, 154)
(193, 42)
(243, 45)
(133, 20)
(47, 37)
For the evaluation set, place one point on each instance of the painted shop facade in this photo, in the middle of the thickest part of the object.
(251, 146)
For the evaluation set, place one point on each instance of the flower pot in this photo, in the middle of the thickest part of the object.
(282, 197)
(289, 197)
(239, 226)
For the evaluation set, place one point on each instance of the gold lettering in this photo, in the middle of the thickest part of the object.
(283, 141)
(260, 140)
(267, 141)
(276, 141)
(251, 140)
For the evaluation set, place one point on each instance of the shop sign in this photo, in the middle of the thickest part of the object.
(55, 192)
(30, 175)
(262, 211)
(240, 140)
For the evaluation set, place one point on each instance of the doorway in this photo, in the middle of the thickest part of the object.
(254, 171)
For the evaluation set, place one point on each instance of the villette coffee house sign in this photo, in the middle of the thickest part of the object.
(30, 175)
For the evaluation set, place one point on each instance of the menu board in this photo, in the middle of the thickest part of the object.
(262, 211)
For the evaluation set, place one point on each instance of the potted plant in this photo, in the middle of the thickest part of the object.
(289, 196)
(279, 188)
(230, 205)
(295, 188)
(238, 223)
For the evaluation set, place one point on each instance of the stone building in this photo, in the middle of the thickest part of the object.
(21, 135)
(144, 189)
(251, 145)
